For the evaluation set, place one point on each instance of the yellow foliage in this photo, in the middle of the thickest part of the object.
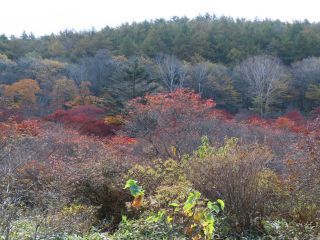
(23, 91)
(113, 120)
(53, 64)
(165, 173)
(86, 100)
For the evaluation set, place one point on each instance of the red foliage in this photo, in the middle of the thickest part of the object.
(256, 120)
(87, 119)
(123, 147)
(288, 124)
(122, 140)
(284, 122)
(168, 120)
(171, 108)
(295, 116)
(28, 127)
(292, 121)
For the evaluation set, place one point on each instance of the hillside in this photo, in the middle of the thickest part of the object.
(205, 128)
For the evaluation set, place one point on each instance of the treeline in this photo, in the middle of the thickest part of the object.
(267, 67)
(221, 40)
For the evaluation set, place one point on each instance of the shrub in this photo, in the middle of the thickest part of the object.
(238, 174)
(303, 166)
(28, 127)
(86, 119)
(167, 120)
(158, 173)
(194, 218)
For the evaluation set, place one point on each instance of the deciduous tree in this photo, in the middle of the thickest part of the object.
(264, 79)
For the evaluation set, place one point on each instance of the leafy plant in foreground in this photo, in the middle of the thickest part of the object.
(136, 191)
(194, 218)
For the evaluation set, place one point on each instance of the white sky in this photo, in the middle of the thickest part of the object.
(47, 16)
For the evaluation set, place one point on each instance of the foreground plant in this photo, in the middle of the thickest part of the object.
(195, 218)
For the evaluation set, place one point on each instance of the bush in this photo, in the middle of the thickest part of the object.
(158, 173)
(193, 218)
(86, 119)
(170, 120)
(239, 175)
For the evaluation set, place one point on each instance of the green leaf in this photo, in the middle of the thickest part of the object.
(124, 219)
(213, 207)
(134, 188)
(208, 226)
(191, 202)
(130, 183)
(221, 203)
(174, 204)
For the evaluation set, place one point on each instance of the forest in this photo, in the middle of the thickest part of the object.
(203, 128)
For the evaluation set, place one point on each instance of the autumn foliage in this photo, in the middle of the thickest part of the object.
(23, 91)
(87, 119)
(261, 167)
(29, 127)
(170, 120)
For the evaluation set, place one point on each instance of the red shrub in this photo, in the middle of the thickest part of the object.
(257, 121)
(170, 121)
(28, 127)
(284, 122)
(288, 124)
(295, 116)
(87, 119)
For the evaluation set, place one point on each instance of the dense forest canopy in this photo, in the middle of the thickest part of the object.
(221, 40)
(207, 54)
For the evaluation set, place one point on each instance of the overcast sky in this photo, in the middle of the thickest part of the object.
(47, 16)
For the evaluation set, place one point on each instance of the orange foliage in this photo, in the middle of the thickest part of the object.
(28, 127)
(170, 119)
(171, 108)
(137, 202)
(284, 122)
(23, 91)
(257, 121)
(288, 124)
